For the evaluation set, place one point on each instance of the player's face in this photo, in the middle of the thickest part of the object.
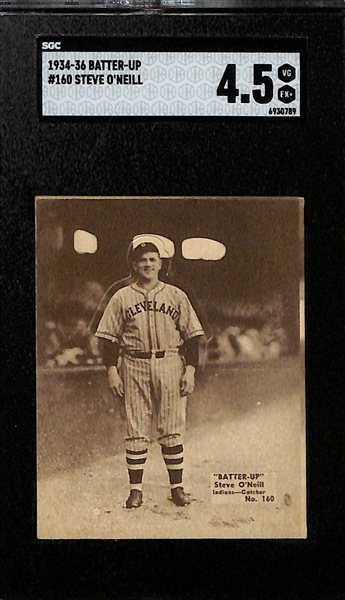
(148, 266)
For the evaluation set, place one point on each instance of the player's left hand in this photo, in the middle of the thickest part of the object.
(187, 381)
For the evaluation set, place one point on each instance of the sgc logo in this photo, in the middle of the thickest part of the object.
(51, 45)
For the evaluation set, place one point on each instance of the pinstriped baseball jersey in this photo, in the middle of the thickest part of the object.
(149, 320)
(158, 319)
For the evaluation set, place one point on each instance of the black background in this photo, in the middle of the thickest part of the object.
(230, 157)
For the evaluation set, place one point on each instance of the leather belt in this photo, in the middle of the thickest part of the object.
(151, 354)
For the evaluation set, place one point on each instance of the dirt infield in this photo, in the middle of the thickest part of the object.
(239, 420)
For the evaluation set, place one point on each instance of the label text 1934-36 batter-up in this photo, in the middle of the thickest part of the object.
(101, 78)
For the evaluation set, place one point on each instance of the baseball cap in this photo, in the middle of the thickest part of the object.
(165, 246)
(143, 248)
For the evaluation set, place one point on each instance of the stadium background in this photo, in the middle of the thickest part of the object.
(250, 298)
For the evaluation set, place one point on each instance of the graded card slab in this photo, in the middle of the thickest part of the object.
(212, 128)
(244, 446)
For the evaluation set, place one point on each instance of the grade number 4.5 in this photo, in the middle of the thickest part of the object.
(227, 85)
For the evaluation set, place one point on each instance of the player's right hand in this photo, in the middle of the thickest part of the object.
(115, 382)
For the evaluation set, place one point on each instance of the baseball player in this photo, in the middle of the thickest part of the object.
(150, 347)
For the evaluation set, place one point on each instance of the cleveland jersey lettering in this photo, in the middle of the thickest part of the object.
(149, 306)
(159, 319)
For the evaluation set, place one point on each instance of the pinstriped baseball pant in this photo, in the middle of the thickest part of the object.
(153, 383)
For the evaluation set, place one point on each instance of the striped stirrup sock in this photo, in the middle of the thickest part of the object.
(173, 458)
(136, 460)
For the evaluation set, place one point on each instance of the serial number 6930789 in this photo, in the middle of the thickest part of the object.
(282, 110)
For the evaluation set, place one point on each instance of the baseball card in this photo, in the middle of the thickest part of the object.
(172, 332)
(155, 442)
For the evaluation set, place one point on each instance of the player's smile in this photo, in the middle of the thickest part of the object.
(148, 267)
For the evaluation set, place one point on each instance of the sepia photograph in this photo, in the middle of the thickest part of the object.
(170, 367)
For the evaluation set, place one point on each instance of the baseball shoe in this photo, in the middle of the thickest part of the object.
(179, 497)
(135, 499)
